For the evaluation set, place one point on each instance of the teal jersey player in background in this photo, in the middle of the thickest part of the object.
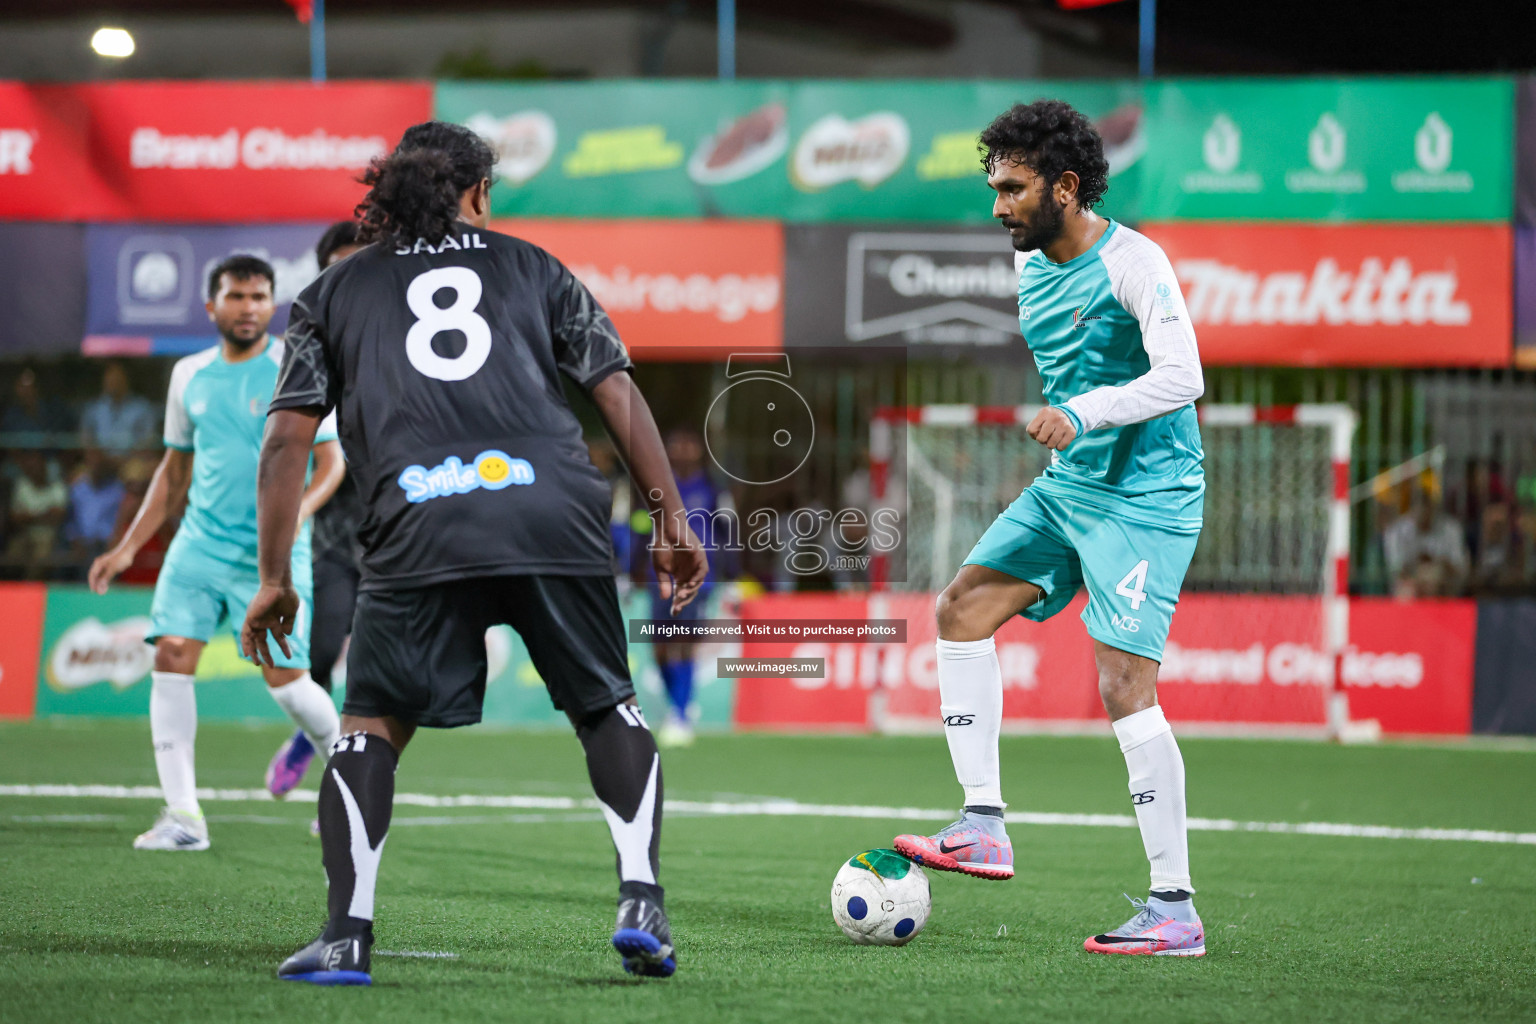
(1118, 510)
(216, 411)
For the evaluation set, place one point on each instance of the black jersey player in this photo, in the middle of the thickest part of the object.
(442, 345)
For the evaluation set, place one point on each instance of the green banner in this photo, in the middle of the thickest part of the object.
(802, 151)
(95, 662)
(1333, 150)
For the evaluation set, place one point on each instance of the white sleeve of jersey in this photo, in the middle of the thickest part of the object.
(1142, 281)
(178, 423)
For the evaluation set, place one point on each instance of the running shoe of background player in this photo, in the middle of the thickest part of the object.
(1154, 931)
(676, 731)
(643, 936)
(174, 830)
(977, 845)
(289, 764)
(342, 961)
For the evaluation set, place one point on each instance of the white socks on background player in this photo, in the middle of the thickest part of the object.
(1157, 789)
(971, 701)
(312, 710)
(173, 729)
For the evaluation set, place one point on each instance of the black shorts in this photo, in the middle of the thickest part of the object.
(419, 655)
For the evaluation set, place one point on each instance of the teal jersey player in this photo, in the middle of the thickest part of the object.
(1117, 511)
(1119, 508)
(215, 418)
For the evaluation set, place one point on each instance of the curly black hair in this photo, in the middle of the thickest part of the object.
(414, 191)
(1049, 137)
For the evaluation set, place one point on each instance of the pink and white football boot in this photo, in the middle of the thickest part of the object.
(976, 845)
(1155, 931)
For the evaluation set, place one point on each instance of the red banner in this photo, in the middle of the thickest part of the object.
(1231, 660)
(208, 152)
(1362, 295)
(676, 289)
(21, 606)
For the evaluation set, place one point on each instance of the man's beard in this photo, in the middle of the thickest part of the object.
(1044, 225)
(243, 344)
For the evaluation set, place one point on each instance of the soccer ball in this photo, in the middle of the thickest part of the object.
(880, 898)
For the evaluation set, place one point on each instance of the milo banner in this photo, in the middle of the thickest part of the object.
(810, 151)
(93, 661)
(1329, 149)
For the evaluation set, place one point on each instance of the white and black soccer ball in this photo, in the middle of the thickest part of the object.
(879, 898)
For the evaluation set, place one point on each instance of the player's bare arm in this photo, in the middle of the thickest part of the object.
(285, 450)
(329, 470)
(677, 554)
(167, 490)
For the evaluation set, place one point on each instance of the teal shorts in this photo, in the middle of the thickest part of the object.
(193, 601)
(1133, 569)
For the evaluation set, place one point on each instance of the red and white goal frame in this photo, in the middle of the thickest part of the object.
(1337, 418)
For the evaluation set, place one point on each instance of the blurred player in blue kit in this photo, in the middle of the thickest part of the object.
(215, 413)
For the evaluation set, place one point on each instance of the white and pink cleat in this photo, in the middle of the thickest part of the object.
(976, 845)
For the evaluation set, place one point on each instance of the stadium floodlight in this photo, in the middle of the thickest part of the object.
(112, 42)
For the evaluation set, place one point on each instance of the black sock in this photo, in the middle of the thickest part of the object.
(359, 787)
(1171, 895)
(623, 764)
(996, 812)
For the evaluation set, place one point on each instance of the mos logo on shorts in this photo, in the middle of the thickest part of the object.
(491, 470)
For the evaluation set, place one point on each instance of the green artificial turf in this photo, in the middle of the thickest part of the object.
(1299, 927)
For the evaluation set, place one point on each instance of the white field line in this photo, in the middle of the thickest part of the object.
(796, 809)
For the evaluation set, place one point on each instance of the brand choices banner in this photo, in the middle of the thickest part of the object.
(806, 151)
(1254, 660)
(1329, 149)
(147, 283)
(678, 290)
(196, 151)
(1425, 295)
(21, 605)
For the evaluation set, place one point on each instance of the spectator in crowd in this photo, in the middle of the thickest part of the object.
(94, 500)
(37, 508)
(136, 474)
(118, 421)
(1500, 565)
(1426, 551)
(28, 413)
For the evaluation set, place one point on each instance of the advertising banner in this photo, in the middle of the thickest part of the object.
(46, 166)
(679, 290)
(147, 283)
(926, 288)
(1364, 295)
(1248, 660)
(1525, 151)
(1329, 149)
(791, 151)
(42, 287)
(196, 151)
(21, 605)
(1525, 296)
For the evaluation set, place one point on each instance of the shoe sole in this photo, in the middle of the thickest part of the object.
(277, 789)
(189, 848)
(1121, 951)
(330, 977)
(940, 862)
(642, 953)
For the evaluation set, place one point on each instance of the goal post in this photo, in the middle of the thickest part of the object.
(1266, 607)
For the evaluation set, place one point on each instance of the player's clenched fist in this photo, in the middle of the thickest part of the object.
(1052, 428)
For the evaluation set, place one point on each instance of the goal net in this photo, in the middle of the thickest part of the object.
(1263, 619)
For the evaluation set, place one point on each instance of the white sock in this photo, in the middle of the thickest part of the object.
(971, 701)
(312, 710)
(173, 728)
(1157, 789)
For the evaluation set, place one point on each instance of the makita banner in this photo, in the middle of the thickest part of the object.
(677, 290)
(925, 288)
(196, 151)
(1361, 295)
(1329, 149)
(147, 283)
(1230, 660)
